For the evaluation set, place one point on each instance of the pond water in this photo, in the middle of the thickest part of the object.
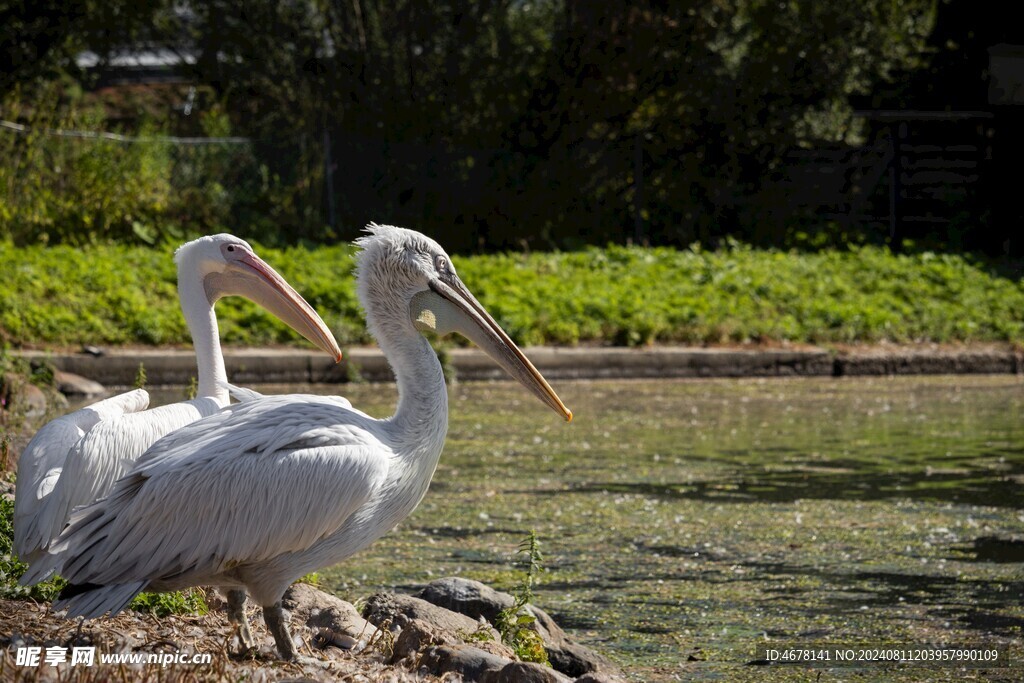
(685, 523)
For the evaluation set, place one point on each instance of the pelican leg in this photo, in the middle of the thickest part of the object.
(78, 631)
(274, 616)
(236, 616)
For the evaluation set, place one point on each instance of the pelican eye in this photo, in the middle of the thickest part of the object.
(441, 264)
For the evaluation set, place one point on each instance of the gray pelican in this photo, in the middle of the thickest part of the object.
(75, 459)
(270, 489)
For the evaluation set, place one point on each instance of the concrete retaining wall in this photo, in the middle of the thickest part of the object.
(119, 367)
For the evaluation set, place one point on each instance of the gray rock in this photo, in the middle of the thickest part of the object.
(71, 384)
(466, 596)
(332, 620)
(470, 662)
(33, 399)
(18, 395)
(476, 600)
(566, 655)
(430, 625)
(599, 677)
(525, 672)
(416, 636)
(393, 611)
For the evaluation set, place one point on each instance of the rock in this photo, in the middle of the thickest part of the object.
(394, 611)
(566, 654)
(476, 600)
(431, 625)
(598, 677)
(468, 597)
(466, 660)
(416, 636)
(333, 621)
(18, 395)
(525, 672)
(33, 399)
(71, 384)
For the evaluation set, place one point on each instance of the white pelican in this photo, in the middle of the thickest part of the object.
(75, 459)
(267, 490)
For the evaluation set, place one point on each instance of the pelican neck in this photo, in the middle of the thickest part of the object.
(422, 410)
(202, 325)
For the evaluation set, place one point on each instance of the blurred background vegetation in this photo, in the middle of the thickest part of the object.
(492, 125)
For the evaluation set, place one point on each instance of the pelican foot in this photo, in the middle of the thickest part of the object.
(236, 616)
(246, 643)
(305, 660)
(273, 615)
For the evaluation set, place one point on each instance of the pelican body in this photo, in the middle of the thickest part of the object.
(75, 459)
(267, 490)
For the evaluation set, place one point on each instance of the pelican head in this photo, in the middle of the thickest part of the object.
(410, 276)
(228, 266)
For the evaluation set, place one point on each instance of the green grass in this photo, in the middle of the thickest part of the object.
(63, 296)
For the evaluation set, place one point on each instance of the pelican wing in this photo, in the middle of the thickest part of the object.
(243, 394)
(45, 457)
(107, 452)
(257, 480)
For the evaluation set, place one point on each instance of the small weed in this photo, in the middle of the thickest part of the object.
(313, 579)
(514, 622)
(383, 640)
(353, 373)
(43, 374)
(192, 390)
(482, 634)
(191, 601)
(140, 377)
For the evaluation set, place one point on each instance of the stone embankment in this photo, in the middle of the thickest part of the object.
(119, 367)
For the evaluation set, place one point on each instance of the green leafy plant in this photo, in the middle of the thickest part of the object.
(189, 601)
(140, 377)
(192, 390)
(515, 622)
(313, 579)
(626, 296)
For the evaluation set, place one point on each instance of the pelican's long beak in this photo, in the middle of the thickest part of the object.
(252, 277)
(450, 307)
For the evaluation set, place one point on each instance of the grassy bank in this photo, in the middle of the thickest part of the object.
(622, 296)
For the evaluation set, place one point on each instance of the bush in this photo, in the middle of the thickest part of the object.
(92, 189)
(77, 190)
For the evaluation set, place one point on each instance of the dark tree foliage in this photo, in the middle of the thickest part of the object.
(510, 124)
